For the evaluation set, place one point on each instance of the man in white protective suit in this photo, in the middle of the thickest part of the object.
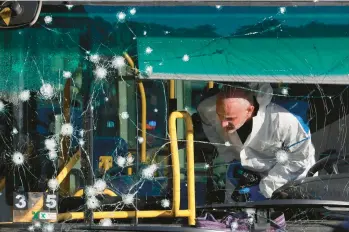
(266, 138)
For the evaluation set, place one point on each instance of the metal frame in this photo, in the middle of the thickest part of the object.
(282, 203)
(172, 89)
(175, 212)
(143, 111)
(176, 166)
(208, 3)
(338, 79)
(143, 122)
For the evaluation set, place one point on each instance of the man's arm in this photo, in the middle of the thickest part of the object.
(299, 155)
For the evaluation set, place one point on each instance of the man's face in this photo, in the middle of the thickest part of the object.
(233, 113)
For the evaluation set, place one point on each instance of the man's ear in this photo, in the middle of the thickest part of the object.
(250, 110)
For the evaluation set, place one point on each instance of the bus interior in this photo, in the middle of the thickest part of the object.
(98, 109)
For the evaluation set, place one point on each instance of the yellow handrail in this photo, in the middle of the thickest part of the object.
(65, 142)
(172, 89)
(73, 160)
(130, 62)
(210, 84)
(144, 122)
(190, 164)
(2, 183)
(191, 211)
(61, 176)
(129, 170)
(105, 162)
(121, 214)
(143, 111)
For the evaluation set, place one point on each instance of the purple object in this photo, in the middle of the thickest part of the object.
(277, 222)
(233, 222)
(209, 222)
(240, 222)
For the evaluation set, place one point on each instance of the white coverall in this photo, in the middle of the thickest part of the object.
(273, 128)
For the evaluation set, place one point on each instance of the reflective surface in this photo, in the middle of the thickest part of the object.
(70, 98)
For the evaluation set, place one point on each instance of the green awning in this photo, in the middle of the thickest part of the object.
(295, 60)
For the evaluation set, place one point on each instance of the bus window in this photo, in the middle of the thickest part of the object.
(87, 94)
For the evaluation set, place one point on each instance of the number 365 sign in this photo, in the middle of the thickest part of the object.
(50, 201)
(25, 204)
(21, 201)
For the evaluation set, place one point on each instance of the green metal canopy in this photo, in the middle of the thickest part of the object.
(294, 60)
(263, 44)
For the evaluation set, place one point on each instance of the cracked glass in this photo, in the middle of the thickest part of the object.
(104, 108)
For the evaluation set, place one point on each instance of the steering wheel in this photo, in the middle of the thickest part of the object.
(328, 163)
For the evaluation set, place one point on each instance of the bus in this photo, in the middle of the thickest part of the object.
(99, 119)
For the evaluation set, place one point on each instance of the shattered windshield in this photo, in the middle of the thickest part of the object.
(176, 115)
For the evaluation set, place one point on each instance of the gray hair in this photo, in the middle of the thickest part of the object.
(235, 92)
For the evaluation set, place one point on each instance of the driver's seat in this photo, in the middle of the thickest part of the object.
(322, 186)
